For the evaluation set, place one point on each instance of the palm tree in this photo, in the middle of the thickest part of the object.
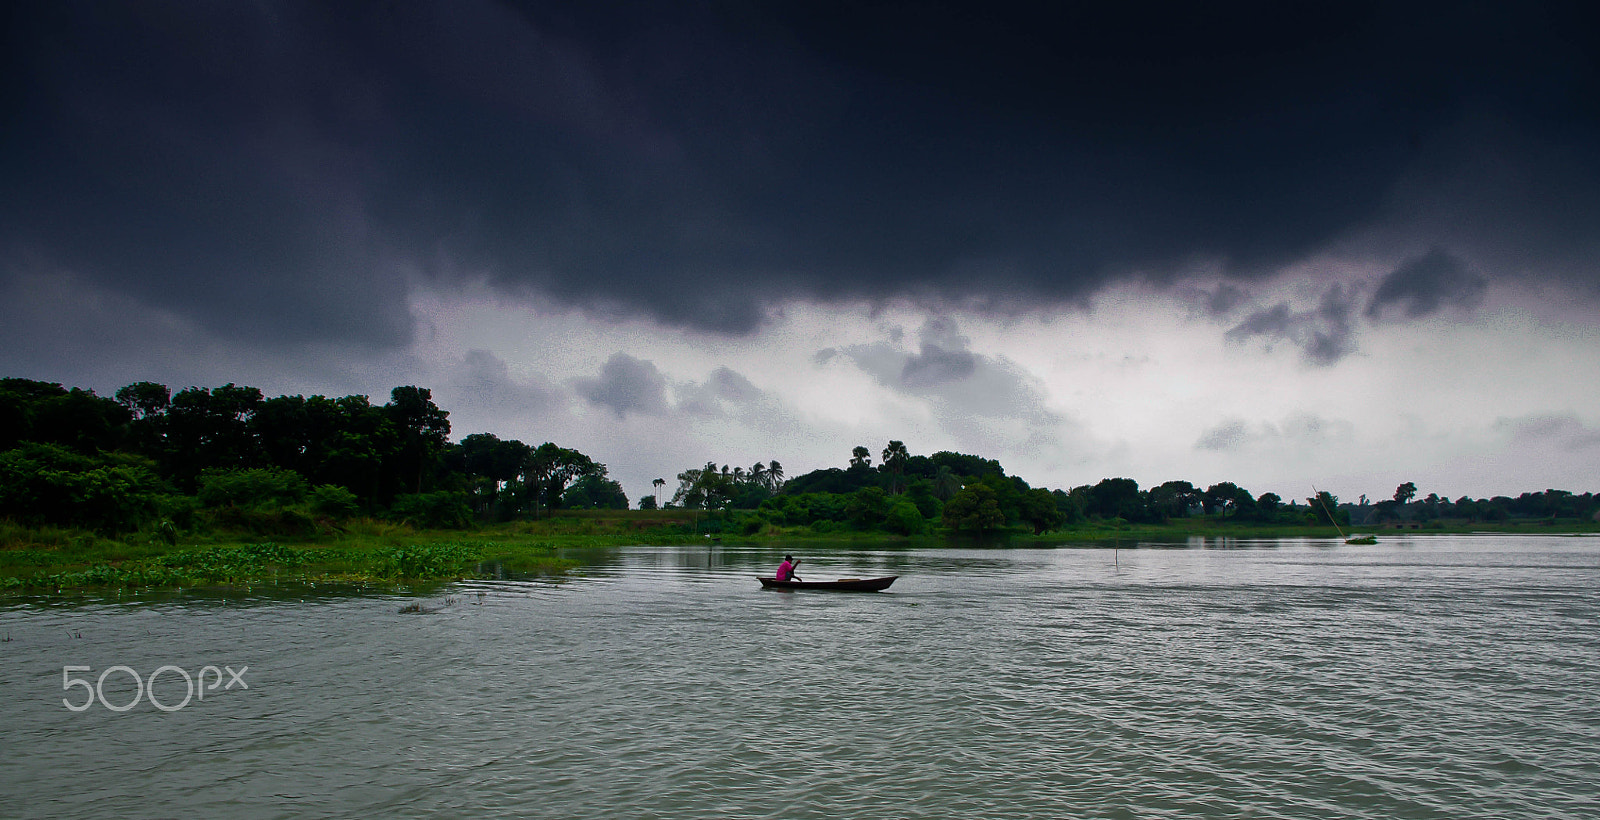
(860, 457)
(774, 475)
(946, 483)
(758, 474)
(895, 457)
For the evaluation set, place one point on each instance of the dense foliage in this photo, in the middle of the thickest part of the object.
(229, 457)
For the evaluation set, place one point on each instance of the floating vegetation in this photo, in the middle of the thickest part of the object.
(247, 564)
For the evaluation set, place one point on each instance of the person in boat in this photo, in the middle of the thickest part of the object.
(787, 568)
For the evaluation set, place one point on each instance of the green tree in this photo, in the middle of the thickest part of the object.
(868, 508)
(48, 413)
(492, 468)
(1117, 498)
(204, 429)
(904, 519)
(860, 457)
(423, 430)
(964, 465)
(1405, 492)
(1038, 510)
(1324, 506)
(974, 508)
(595, 492)
(1227, 498)
(145, 399)
(1173, 499)
(550, 469)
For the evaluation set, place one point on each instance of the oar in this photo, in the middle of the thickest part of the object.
(1318, 496)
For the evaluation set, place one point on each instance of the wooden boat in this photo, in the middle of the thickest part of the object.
(841, 585)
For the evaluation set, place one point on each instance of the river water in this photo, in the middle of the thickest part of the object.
(1423, 677)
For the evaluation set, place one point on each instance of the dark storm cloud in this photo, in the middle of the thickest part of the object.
(626, 385)
(1427, 284)
(273, 170)
(1324, 334)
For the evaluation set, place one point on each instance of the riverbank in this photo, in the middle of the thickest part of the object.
(46, 560)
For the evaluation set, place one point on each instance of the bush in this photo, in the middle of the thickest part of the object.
(334, 501)
(268, 487)
(905, 519)
(441, 510)
(48, 484)
(261, 520)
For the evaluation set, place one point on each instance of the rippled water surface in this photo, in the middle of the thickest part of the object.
(1424, 677)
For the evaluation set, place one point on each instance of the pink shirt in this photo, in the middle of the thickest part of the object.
(785, 570)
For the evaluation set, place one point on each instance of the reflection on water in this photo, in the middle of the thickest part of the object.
(1420, 677)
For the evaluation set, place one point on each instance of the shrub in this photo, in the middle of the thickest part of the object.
(48, 484)
(334, 501)
(905, 519)
(443, 510)
(265, 487)
(261, 520)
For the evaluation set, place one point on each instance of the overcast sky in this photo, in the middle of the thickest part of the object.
(1345, 246)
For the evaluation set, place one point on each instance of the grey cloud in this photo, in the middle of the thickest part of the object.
(1551, 429)
(935, 366)
(1310, 428)
(626, 385)
(724, 391)
(484, 381)
(1229, 435)
(1220, 302)
(1324, 334)
(1425, 285)
(1298, 429)
(964, 383)
(732, 386)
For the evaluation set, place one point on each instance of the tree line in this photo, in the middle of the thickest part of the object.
(231, 456)
(910, 494)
